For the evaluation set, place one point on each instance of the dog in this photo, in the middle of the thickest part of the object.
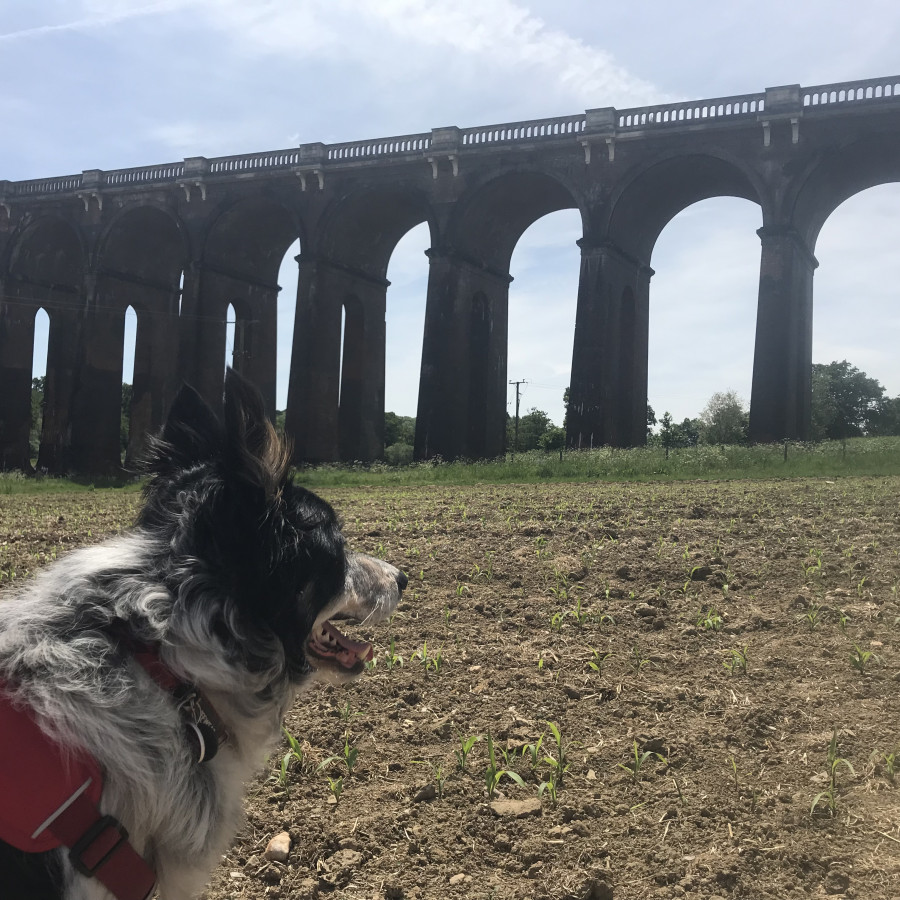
(144, 655)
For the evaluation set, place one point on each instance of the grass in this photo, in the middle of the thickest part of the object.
(857, 456)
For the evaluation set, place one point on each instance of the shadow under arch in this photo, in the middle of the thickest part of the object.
(47, 264)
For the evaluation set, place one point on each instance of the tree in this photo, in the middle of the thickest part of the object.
(553, 438)
(531, 428)
(651, 419)
(846, 402)
(38, 388)
(399, 429)
(724, 419)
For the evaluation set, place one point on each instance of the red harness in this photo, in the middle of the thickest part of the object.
(50, 799)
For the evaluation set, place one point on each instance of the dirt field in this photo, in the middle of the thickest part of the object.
(720, 662)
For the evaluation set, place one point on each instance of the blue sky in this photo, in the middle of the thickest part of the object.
(116, 83)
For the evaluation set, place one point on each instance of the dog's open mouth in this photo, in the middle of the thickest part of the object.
(328, 645)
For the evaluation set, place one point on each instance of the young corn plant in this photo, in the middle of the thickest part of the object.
(828, 797)
(437, 773)
(598, 660)
(638, 759)
(493, 773)
(465, 746)
(336, 786)
(348, 756)
(533, 752)
(737, 661)
(559, 764)
(709, 620)
(393, 658)
(860, 659)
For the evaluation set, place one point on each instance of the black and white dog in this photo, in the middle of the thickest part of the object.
(190, 634)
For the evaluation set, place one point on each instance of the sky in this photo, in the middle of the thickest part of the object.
(105, 84)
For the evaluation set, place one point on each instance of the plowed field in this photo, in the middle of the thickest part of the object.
(719, 662)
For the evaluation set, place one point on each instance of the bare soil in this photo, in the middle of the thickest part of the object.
(749, 627)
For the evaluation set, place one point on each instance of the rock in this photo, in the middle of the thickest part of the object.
(700, 573)
(425, 794)
(460, 878)
(344, 860)
(623, 572)
(278, 849)
(572, 692)
(393, 890)
(837, 882)
(645, 611)
(516, 809)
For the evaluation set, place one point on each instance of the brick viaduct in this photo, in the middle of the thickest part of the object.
(180, 242)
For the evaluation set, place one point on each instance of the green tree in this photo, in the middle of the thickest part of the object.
(553, 438)
(399, 429)
(724, 419)
(846, 402)
(127, 394)
(532, 427)
(38, 387)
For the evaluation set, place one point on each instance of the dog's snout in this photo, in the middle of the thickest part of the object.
(402, 581)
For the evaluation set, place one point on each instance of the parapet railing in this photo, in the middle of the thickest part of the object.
(607, 122)
(248, 162)
(531, 130)
(143, 174)
(870, 90)
(380, 147)
(745, 105)
(64, 184)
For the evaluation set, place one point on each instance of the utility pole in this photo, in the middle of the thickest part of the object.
(516, 440)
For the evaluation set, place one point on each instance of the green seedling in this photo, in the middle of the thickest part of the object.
(860, 659)
(597, 660)
(637, 762)
(828, 797)
(709, 620)
(812, 617)
(550, 788)
(638, 660)
(465, 745)
(533, 751)
(336, 786)
(737, 662)
(578, 614)
(437, 772)
(556, 621)
(559, 764)
(348, 756)
(493, 774)
(393, 658)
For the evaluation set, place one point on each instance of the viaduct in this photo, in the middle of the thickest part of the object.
(180, 242)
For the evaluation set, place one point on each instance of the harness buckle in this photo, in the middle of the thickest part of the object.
(99, 831)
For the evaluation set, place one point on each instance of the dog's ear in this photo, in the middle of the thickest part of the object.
(192, 434)
(256, 455)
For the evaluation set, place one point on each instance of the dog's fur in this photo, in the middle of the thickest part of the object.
(229, 570)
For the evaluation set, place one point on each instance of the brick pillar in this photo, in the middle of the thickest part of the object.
(16, 359)
(201, 355)
(781, 397)
(608, 387)
(96, 411)
(361, 411)
(462, 387)
(313, 390)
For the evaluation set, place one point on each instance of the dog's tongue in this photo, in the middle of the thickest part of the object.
(330, 642)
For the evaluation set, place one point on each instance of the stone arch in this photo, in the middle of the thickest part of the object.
(46, 269)
(653, 195)
(836, 176)
(491, 216)
(238, 263)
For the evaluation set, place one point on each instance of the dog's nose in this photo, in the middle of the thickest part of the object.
(402, 581)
